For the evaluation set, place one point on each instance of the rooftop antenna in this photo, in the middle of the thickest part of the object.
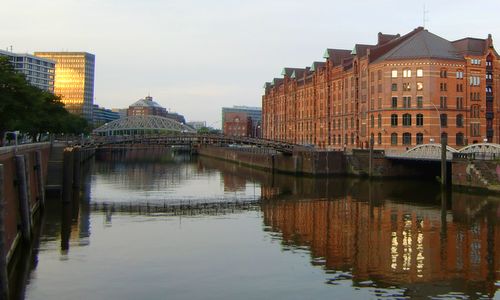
(424, 17)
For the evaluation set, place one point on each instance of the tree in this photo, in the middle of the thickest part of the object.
(31, 110)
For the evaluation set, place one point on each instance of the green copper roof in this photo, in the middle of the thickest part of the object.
(326, 55)
(353, 52)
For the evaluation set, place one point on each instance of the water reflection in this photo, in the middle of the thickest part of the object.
(394, 239)
(381, 236)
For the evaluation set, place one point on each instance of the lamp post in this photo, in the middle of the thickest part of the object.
(443, 147)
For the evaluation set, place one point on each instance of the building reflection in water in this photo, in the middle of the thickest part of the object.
(381, 234)
(391, 233)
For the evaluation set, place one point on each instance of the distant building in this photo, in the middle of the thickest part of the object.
(38, 71)
(197, 124)
(101, 115)
(242, 113)
(175, 116)
(74, 80)
(237, 124)
(146, 107)
(122, 112)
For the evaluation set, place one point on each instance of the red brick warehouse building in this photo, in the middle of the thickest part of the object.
(403, 91)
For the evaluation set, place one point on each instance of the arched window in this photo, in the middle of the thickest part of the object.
(394, 120)
(444, 136)
(444, 120)
(394, 139)
(339, 139)
(406, 120)
(420, 120)
(379, 121)
(372, 138)
(379, 138)
(334, 139)
(460, 120)
(460, 139)
(420, 138)
(372, 121)
(406, 138)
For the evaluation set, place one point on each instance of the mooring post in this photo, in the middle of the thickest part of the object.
(68, 163)
(39, 178)
(443, 161)
(4, 277)
(77, 157)
(24, 205)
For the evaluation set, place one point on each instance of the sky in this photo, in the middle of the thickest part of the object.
(196, 56)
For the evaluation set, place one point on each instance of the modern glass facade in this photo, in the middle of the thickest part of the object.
(38, 71)
(74, 80)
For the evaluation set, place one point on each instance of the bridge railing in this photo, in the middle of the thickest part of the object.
(476, 156)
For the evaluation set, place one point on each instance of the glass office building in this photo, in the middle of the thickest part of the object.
(74, 80)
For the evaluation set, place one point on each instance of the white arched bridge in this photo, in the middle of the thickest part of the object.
(485, 151)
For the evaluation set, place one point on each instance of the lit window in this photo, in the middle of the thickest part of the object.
(420, 86)
(394, 73)
(420, 73)
(406, 73)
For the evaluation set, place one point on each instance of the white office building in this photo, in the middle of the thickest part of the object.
(38, 71)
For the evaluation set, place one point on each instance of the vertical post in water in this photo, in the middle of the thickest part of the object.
(68, 163)
(443, 160)
(24, 205)
(77, 161)
(370, 159)
(4, 277)
(39, 178)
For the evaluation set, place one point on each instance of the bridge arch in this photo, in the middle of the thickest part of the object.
(140, 125)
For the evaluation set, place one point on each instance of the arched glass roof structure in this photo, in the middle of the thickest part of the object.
(139, 125)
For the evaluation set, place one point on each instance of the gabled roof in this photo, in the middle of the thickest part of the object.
(317, 65)
(289, 71)
(360, 49)
(422, 44)
(336, 55)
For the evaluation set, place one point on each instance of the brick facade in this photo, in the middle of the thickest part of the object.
(237, 124)
(403, 91)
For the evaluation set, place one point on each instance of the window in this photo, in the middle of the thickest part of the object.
(372, 121)
(460, 102)
(394, 74)
(420, 120)
(420, 101)
(459, 139)
(394, 87)
(406, 102)
(442, 102)
(379, 138)
(379, 104)
(394, 102)
(406, 86)
(444, 136)
(443, 87)
(475, 61)
(352, 138)
(394, 139)
(379, 74)
(460, 120)
(406, 73)
(444, 120)
(475, 129)
(474, 111)
(420, 86)
(460, 74)
(443, 73)
(420, 138)
(379, 125)
(407, 138)
(420, 73)
(406, 120)
(474, 80)
(460, 87)
(394, 120)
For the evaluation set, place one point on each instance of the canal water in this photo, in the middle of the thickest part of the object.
(180, 227)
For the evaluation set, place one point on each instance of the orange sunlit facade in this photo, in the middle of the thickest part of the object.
(74, 80)
(401, 92)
